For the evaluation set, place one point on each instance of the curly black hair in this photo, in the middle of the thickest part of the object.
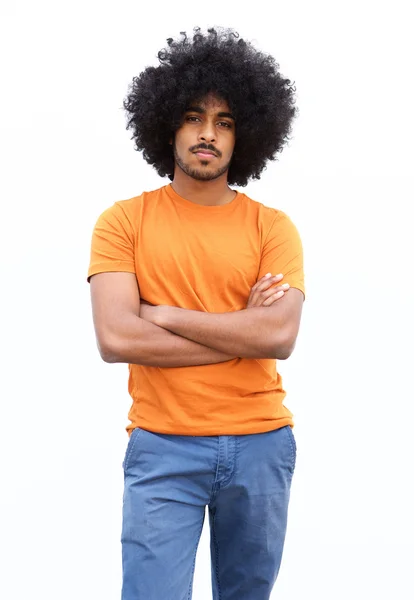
(262, 101)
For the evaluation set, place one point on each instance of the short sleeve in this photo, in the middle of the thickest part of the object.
(112, 246)
(282, 252)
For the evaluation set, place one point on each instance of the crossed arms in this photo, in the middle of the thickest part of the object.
(129, 331)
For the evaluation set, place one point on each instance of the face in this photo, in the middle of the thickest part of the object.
(204, 144)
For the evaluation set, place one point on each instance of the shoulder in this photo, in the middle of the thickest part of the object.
(268, 217)
(129, 211)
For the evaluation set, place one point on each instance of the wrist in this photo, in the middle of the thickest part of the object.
(163, 315)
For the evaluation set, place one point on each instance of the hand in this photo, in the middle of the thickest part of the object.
(263, 294)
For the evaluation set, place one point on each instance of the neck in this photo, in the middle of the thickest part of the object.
(207, 193)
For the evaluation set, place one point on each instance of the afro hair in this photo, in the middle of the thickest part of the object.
(219, 62)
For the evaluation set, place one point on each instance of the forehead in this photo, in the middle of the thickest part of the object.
(212, 103)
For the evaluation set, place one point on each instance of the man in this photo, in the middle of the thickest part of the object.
(186, 286)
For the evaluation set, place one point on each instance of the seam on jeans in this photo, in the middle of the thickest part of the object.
(131, 447)
(292, 448)
(233, 473)
(190, 589)
(215, 487)
(216, 554)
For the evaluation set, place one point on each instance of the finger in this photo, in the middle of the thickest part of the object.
(263, 289)
(273, 298)
(264, 284)
(261, 280)
(273, 290)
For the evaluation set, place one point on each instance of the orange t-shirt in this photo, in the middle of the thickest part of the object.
(204, 258)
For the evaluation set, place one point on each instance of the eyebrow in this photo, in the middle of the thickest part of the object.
(202, 111)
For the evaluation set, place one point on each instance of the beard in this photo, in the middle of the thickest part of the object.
(199, 174)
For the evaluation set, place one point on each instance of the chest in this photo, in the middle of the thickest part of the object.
(208, 265)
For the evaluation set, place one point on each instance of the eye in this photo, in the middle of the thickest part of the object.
(225, 124)
(192, 119)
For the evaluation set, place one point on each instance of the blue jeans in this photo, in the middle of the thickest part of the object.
(170, 479)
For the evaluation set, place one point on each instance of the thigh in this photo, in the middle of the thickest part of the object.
(165, 494)
(248, 517)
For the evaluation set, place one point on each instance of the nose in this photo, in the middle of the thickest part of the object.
(207, 133)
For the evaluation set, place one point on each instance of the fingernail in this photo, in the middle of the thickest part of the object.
(279, 275)
(285, 286)
(268, 275)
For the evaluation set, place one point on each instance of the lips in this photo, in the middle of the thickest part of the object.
(202, 152)
(205, 151)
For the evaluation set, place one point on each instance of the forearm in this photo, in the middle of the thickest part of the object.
(245, 333)
(143, 343)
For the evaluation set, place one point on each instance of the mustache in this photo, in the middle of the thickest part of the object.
(205, 147)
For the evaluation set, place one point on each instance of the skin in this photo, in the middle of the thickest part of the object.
(258, 332)
(125, 334)
(199, 178)
(132, 331)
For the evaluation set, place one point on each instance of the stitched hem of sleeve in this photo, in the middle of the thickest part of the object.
(110, 267)
(298, 286)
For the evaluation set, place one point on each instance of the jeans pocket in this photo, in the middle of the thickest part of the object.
(293, 446)
(130, 447)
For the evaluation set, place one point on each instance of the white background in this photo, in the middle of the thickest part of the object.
(346, 180)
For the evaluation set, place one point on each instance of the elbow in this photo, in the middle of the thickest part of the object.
(284, 353)
(108, 350)
(281, 349)
(109, 357)
(121, 344)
